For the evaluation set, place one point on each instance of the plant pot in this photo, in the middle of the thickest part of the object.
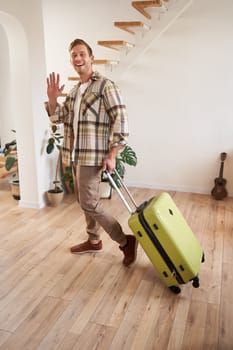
(105, 190)
(15, 189)
(55, 197)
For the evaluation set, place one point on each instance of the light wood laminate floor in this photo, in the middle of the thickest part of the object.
(53, 300)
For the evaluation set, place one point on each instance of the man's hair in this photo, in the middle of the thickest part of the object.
(80, 42)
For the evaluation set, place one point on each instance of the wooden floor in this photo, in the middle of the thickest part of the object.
(51, 299)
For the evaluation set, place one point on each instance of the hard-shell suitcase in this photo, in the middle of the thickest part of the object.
(166, 238)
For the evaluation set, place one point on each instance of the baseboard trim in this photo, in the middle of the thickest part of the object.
(170, 188)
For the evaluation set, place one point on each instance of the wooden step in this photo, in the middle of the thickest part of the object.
(142, 5)
(76, 78)
(101, 61)
(128, 25)
(106, 62)
(116, 44)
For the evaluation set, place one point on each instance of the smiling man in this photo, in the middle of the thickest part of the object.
(95, 130)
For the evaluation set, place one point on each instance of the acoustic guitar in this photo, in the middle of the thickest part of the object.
(219, 191)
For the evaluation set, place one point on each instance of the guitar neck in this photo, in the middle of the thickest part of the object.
(221, 170)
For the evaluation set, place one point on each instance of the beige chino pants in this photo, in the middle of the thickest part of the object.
(86, 182)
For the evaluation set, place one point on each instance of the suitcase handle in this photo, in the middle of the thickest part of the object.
(119, 192)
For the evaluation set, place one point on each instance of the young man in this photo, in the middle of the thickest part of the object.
(95, 130)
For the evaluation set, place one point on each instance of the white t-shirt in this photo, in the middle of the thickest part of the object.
(80, 92)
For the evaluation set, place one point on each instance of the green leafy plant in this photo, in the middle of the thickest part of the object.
(54, 142)
(68, 178)
(10, 153)
(126, 156)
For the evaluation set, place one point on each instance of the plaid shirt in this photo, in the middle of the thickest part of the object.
(102, 122)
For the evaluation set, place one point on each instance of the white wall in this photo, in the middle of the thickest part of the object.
(177, 86)
(26, 55)
(7, 120)
(65, 21)
(183, 84)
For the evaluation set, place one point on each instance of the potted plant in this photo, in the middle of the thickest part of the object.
(126, 156)
(11, 166)
(55, 194)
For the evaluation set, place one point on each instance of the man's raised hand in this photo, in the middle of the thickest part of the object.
(53, 87)
(53, 91)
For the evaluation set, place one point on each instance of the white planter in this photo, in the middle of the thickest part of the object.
(15, 189)
(105, 190)
(55, 197)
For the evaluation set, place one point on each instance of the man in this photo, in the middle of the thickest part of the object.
(95, 130)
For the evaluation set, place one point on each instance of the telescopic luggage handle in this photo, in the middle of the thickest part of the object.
(119, 192)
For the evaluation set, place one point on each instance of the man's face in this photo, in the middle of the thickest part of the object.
(81, 60)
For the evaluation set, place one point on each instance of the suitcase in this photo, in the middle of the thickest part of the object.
(165, 237)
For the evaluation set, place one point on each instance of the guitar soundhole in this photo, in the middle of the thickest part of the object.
(170, 211)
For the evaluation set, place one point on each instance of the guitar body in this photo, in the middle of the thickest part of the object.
(219, 191)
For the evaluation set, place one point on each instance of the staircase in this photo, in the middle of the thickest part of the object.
(157, 17)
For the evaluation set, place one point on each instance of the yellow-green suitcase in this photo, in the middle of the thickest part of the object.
(166, 238)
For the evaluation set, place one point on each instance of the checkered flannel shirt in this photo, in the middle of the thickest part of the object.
(102, 122)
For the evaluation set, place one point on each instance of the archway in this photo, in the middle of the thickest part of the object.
(18, 104)
(6, 123)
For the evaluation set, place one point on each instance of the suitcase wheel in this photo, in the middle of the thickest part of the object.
(175, 289)
(196, 282)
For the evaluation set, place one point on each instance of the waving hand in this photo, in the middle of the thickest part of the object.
(54, 90)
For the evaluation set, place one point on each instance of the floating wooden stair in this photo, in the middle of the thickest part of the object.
(116, 44)
(142, 5)
(97, 62)
(106, 62)
(73, 78)
(128, 25)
